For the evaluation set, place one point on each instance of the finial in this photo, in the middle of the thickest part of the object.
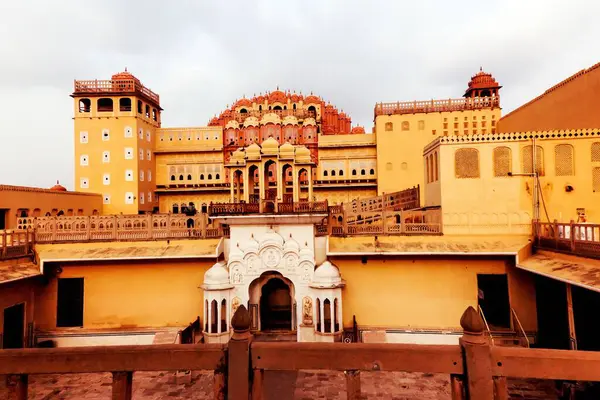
(241, 320)
(125, 69)
(481, 68)
(58, 183)
(277, 87)
(471, 321)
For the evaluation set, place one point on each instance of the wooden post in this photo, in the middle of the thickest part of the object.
(121, 385)
(457, 387)
(352, 385)
(238, 386)
(477, 356)
(17, 387)
(257, 384)
(500, 388)
(571, 318)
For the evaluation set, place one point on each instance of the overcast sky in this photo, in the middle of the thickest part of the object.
(201, 55)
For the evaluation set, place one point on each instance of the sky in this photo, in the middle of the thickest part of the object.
(202, 55)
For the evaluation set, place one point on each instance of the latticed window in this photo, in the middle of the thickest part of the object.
(389, 126)
(563, 159)
(466, 163)
(405, 125)
(502, 161)
(596, 179)
(528, 157)
(596, 151)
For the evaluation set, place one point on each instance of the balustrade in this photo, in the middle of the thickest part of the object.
(571, 237)
(411, 107)
(15, 244)
(114, 86)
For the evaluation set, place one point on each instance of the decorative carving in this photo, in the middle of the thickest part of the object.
(235, 303)
(236, 276)
(306, 273)
(271, 258)
(251, 264)
(290, 263)
(307, 311)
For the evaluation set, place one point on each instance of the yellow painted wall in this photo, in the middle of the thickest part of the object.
(12, 293)
(342, 194)
(131, 293)
(399, 152)
(422, 293)
(141, 138)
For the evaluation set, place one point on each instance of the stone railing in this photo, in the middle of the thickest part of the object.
(123, 227)
(409, 222)
(14, 244)
(477, 370)
(576, 238)
(413, 107)
(114, 86)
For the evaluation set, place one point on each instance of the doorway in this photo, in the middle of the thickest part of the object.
(494, 300)
(275, 306)
(3, 222)
(14, 326)
(552, 317)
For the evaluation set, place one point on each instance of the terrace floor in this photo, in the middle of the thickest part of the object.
(302, 385)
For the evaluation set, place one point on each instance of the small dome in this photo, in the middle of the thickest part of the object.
(58, 187)
(277, 96)
(232, 124)
(270, 118)
(327, 275)
(243, 103)
(309, 122)
(213, 122)
(253, 149)
(306, 253)
(358, 130)
(123, 76)
(291, 244)
(217, 277)
(271, 238)
(270, 145)
(251, 245)
(296, 98)
(312, 100)
(287, 147)
(250, 121)
(290, 120)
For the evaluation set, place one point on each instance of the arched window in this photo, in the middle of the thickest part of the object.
(327, 316)
(85, 105)
(372, 171)
(224, 316)
(325, 173)
(189, 177)
(154, 115)
(596, 151)
(60, 213)
(124, 104)
(214, 308)
(209, 177)
(333, 172)
(217, 176)
(363, 172)
(105, 105)
(405, 125)
(147, 113)
(140, 106)
(318, 315)
(353, 172)
(312, 110)
(206, 315)
(430, 162)
(277, 108)
(596, 179)
(466, 163)
(172, 177)
(563, 160)
(175, 208)
(427, 171)
(180, 177)
(341, 173)
(201, 177)
(502, 161)
(528, 157)
(336, 322)
(435, 166)
(389, 126)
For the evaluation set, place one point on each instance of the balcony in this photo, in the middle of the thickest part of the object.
(568, 237)
(15, 244)
(413, 107)
(298, 113)
(119, 86)
(476, 368)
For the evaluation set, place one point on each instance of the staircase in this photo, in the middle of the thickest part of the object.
(515, 337)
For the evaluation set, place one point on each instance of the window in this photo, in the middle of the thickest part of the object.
(128, 131)
(189, 177)
(105, 135)
(209, 177)
(105, 105)
(83, 137)
(372, 171)
(106, 179)
(106, 199)
(141, 175)
(466, 163)
(125, 104)
(141, 152)
(84, 183)
(421, 125)
(129, 153)
(502, 161)
(141, 134)
(149, 175)
(148, 155)
(106, 156)
(154, 114)
(149, 197)
(129, 175)
(201, 177)
(363, 172)
(341, 172)
(128, 198)
(405, 125)
(563, 160)
(528, 160)
(354, 172)
(596, 179)
(389, 126)
(147, 113)
(175, 208)
(180, 177)
(172, 177)
(595, 151)
(217, 176)
(435, 166)
(85, 105)
(83, 160)
(141, 197)
(148, 136)
(139, 107)
(69, 310)
(333, 172)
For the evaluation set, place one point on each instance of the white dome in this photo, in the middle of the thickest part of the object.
(217, 277)
(291, 245)
(271, 238)
(306, 253)
(235, 254)
(251, 246)
(327, 275)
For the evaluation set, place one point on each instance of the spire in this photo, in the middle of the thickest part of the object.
(125, 69)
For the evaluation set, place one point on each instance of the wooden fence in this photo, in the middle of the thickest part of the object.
(576, 238)
(15, 244)
(477, 370)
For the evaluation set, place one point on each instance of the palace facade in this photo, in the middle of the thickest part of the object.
(324, 231)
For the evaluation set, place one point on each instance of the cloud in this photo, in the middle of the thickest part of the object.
(201, 55)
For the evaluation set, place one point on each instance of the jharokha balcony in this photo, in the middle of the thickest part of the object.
(413, 107)
(118, 85)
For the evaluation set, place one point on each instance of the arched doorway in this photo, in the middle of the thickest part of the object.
(275, 306)
(253, 184)
(287, 182)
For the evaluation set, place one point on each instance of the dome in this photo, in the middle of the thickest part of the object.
(214, 121)
(232, 124)
(58, 187)
(482, 80)
(312, 100)
(124, 76)
(291, 245)
(243, 103)
(296, 98)
(277, 96)
(250, 121)
(236, 254)
(270, 146)
(309, 121)
(251, 245)
(306, 253)
(217, 277)
(226, 113)
(271, 238)
(287, 147)
(270, 118)
(253, 151)
(290, 120)
(327, 275)
(357, 130)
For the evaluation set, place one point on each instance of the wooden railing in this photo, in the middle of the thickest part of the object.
(412, 107)
(576, 238)
(124, 227)
(477, 370)
(16, 243)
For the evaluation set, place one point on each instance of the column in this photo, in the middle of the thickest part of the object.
(246, 176)
(231, 187)
(280, 182)
(310, 184)
(322, 315)
(295, 184)
(218, 317)
(261, 181)
(332, 314)
(209, 316)
(340, 315)
(227, 314)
